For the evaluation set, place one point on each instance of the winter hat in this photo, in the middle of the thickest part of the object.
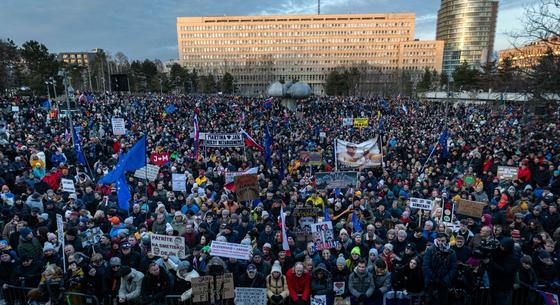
(129, 220)
(515, 234)
(388, 247)
(373, 251)
(178, 213)
(246, 242)
(115, 261)
(526, 259)
(24, 232)
(264, 214)
(48, 247)
(221, 238)
(343, 231)
(267, 245)
(341, 260)
(276, 267)
(168, 227)
(124, 271)
(356, 250)
(44, 216)
(115, 220)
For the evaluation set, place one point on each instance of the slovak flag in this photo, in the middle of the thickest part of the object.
(284, 236)
(549, 298)
(250, 142)
(196, 136)
(82, 98)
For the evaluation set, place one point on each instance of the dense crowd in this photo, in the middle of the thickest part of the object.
(399, 253)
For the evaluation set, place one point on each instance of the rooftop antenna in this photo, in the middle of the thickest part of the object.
(318, 7)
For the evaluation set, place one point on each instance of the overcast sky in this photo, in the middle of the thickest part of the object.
(146, 28)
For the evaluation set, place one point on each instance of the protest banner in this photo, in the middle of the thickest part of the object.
(362, 155)
(361, 122)
(168, 245)
(231, 250)
(204, 290)
(223, 140)
(67, 185)
(91, 236)
(311, 158)
(60, 228)
(119, 127)
(470, 208)
(150, 170)
(246, 187)
(229, 176)
(338, 288)
(179, 182)
(160, 159)
(15, 108)
(305, 218)
(333, 180)
(507, 172)
(323, 235)
(319, 300)
(420, 203)
(250, 296)
(347, 121)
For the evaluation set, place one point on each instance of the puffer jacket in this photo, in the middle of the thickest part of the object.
(131, 285)
(299, 285)
(324, 285)
(361, 283)
(382, 283)
(277, 286)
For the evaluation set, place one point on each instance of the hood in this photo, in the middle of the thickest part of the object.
(487, 220)
(507, 244)
(323, 268)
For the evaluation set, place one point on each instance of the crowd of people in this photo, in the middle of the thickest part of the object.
(384, 250)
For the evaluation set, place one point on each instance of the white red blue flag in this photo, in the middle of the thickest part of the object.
(250, 142)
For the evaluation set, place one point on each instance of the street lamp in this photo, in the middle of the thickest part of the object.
(48, 90)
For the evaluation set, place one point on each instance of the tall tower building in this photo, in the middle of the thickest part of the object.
(468, 28)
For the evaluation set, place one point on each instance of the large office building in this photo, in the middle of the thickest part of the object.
(528, 56)
(468, 28)
(258, 50)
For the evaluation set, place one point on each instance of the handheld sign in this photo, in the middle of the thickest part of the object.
(420, 203)
(67, 185)
(118, 125)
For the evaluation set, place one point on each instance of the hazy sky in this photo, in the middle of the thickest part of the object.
(146, 28)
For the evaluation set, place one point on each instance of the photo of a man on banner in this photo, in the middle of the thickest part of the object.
(362, 155)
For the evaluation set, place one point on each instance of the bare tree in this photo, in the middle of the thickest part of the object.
(541, 21)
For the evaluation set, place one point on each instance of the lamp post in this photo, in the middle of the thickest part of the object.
(48, 90)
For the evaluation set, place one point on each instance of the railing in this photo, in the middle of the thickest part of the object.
(17, 295)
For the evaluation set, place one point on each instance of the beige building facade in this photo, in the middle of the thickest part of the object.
(258, 50)
(529, 55)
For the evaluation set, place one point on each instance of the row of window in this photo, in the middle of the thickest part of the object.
(294, 34)
(321, 56)
(272, 26)
(294, 41)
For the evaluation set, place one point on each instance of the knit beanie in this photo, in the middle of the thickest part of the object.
(276, 267)
(341, 260)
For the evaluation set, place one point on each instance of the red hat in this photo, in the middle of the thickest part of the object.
(515, 234)
(115, 220)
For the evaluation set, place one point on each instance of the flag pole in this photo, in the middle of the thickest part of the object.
(145, 167)
(335, 158)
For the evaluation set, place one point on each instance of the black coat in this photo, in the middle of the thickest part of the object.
(259, 281)
(502, 269)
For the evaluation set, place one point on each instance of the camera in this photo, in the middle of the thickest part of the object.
(487, 249)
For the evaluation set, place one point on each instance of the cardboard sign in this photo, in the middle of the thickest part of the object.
(67, 185)
(319, 300)
(339, 287)
(312, 158)
(250, 296)
(223, 140)
(347, 121)
(179, 183)
(361, 122)
(420, 203)
(323, 235)
(119, 127)
(470, 208)
(246, 187)
(160, 159)
(203, 289)
(150, 170)
(231, 250)
(305, 218)
(168, 245)
(333, 180)
(507, 172)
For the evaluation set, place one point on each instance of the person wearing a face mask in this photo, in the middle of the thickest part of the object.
(439, 267)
